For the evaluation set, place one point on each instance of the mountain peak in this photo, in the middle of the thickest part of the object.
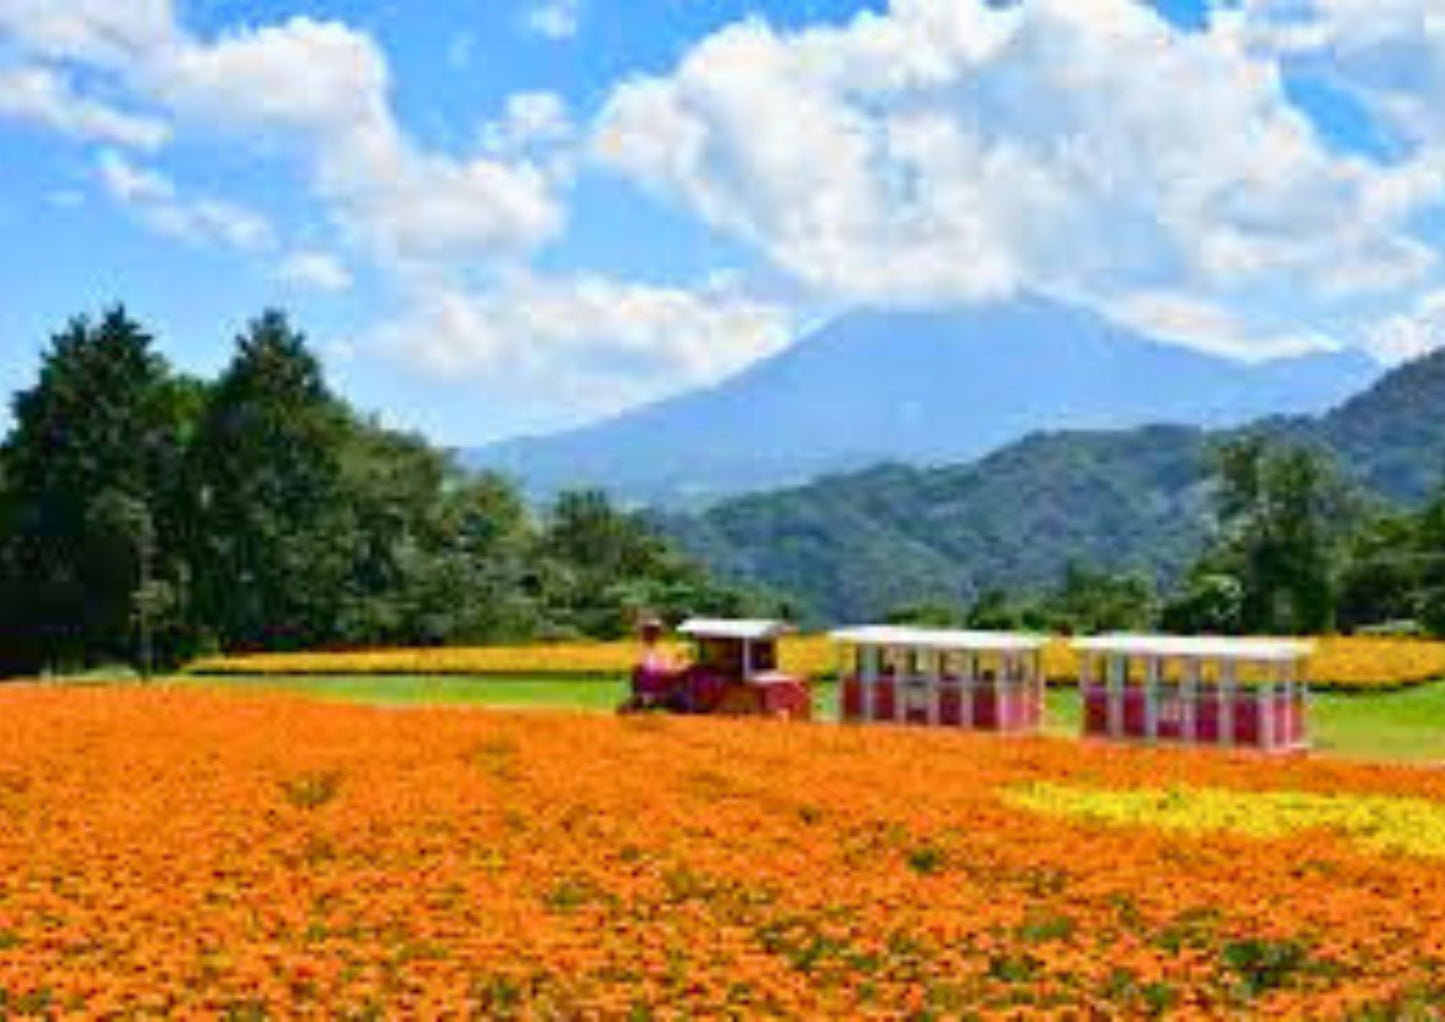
(920, 386)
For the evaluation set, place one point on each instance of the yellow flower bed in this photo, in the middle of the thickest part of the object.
(1340, 663)
(1384, 823)
(1361, 662)
(1343, 663)
(810, 655)
(571, 658)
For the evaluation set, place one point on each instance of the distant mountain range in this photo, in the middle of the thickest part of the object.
(918, 388)
(851, 547)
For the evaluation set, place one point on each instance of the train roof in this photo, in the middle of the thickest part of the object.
(723, 628)
(1215, 647)
(940, 638)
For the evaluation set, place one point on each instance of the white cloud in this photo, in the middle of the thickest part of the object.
(131, 184)
(1411, 334)
(109, 33)
(554, 19)
(946, 150)
(951, 150)
(321, 90)
(313, 77)
(1388, 54)
(315, 271)
(585, 345)
(327, 95)
(44, 96)
(530, 120)
(153, 198)
(1206, 326)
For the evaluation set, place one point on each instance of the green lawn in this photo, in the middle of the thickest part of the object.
(1408, 726)
(409, 690)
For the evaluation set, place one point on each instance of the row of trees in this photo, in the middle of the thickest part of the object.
(146, 516)
(1295, 549)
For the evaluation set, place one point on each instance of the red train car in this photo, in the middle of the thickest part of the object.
(1200, 690)
(979, 681)
(734, 671)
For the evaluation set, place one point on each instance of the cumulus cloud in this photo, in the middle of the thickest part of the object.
(1207, 326)
(588, 344)
(153, 198)
(102, 32)
(530, 120)
(301, 75)
(1410, 334)
(314, 271)
(44, 96)
(939, 151)
(320, 89)
(945, 151)
(327, 94)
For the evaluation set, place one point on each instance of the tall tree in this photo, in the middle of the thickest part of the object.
(1282, 514)
(271, 531)
(92, 470)
(1431, 552)
(1386, 571)
(604, 567)
(474, 576)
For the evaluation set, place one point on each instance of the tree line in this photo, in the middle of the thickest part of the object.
(1294, 549)
(147, 516)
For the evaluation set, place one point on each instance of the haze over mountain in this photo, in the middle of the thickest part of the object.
(917, 388)
(853, 547)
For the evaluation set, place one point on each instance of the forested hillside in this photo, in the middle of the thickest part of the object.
(1392, 436)
(854, 547)
(146, 516)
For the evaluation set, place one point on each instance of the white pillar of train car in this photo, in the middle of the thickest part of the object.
(1195, 690)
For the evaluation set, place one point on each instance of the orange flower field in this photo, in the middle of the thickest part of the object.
(1353, 663)
(173, 852)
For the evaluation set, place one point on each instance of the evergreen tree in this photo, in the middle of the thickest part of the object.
(271, 531)
(91, 472)
(144, 515)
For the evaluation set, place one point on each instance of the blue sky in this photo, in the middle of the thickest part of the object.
(495, 216)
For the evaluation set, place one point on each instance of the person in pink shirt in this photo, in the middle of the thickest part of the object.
(655, 678)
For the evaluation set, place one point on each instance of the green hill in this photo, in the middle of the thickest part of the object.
(850, 547)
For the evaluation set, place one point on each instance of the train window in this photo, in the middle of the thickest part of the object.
(723, 654)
